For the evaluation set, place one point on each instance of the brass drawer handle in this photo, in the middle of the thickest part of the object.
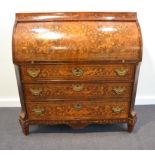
(78, 106)
(35, 91)
(121, 71)
(38, 111)
(33, 72)
(119, 90)
(77, 87)
(77, 71)
(117, 110)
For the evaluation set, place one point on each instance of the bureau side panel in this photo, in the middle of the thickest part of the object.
(20, 89)
(134, 91)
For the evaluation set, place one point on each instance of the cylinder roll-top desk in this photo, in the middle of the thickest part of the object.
(77, 68)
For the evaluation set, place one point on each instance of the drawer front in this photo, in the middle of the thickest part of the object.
(69, 110)
(76, 90)
(36, 73)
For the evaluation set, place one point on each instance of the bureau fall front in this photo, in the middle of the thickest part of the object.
(77, 68)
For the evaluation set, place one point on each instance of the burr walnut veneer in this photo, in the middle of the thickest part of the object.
(77, 68)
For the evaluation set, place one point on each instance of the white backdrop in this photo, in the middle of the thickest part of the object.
(146, 15)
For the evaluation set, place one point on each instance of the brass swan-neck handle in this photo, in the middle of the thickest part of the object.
(38, 111)
(36, 91)
(117, 110)
(118, 90)
(121, 71)
(33, 72)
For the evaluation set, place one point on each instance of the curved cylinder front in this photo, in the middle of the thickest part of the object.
(77, 41)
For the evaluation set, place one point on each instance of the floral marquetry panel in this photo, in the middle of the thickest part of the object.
(74, 41)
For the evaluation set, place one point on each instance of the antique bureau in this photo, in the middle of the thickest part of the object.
(77, 68)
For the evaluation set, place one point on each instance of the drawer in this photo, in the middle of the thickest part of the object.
(76, 90)
(36, 73)
(71, 110)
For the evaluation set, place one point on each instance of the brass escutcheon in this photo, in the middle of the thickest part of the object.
(35, 91)
(119, 90)
(117, 110)
(77, 87)
(38, 111)
(78, 106)
(33, 72)
(77, 71)
(121, 71)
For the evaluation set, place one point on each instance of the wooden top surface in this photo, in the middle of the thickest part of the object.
(79, 16)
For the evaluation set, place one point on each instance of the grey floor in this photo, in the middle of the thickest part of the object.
(96, 137)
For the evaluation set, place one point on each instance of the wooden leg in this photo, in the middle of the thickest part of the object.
(26, 130)
(130, 127)
(24, 124)
(25, 127)
(131, 121)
